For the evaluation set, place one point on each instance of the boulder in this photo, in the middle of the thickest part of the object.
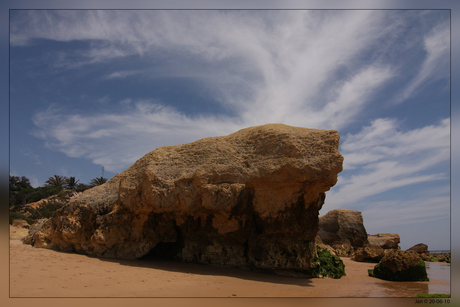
(34, 228)
(419, 248)
(343, 230)
(368, 253)
(248, 199)
(398, 265)
(385, 240)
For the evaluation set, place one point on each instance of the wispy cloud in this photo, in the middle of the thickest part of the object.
(116, 140)
(386, 158)
(316, 69)
(437, 61)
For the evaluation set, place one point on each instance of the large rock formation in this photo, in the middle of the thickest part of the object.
(343, 230)
(247, 199)
(385, 240)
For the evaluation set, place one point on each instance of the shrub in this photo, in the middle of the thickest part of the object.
(47, 210)
(327, 265)
(19, 216)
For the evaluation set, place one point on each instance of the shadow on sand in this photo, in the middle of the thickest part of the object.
(211, 270)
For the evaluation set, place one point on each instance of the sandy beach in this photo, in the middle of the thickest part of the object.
(38, 273)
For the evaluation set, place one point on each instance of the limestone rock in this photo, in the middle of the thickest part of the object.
(247, 199)
(419, 248)
(343, 230)
(398, 265)
(368, 253)
(385, 240)
(34, 228)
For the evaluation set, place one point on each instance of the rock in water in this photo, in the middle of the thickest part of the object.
(247, 199)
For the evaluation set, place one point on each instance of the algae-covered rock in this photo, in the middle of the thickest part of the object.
(400, 266)
(327, 265)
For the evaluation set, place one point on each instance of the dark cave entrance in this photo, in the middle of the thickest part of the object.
(166, 250)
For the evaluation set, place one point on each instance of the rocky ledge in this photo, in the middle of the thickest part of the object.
(247, 199)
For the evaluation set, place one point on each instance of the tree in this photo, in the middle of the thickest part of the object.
(71, 183)
(17, 184)
(20, 190)
(98, 181)
(56, 181)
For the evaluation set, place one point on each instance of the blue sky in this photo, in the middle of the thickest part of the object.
(102, 88)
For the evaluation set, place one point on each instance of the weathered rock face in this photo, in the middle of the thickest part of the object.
(34, 228)
(385, 240)
(247, 199)
(419, 248)
(343, 230)
(368, 253)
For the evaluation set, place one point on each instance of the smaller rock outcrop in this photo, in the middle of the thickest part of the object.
(385, 240)
(368, 253)
(419, 248)
(398, 265)
(343, 230)
(34, 228)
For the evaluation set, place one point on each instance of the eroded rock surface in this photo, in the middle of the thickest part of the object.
(343, 230)
(368, 253)
(247, 199)
(419, 248)
(385, 240)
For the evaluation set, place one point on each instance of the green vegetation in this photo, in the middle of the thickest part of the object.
(439, 258)
(98, 181)
(415, 273)
(18, 216)
(56, 181)
(53, 193)
(327, 264)
(71, 183)
(432, 295)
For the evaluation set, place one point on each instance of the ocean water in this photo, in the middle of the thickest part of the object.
(439, 271)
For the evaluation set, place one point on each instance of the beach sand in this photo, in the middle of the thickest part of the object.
(38, 273)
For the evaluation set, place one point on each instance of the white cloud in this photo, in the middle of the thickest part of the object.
(313, 69)
(437, 61)
(380, 158)
(116, 140)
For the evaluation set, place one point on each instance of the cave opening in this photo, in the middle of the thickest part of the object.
(167, 250)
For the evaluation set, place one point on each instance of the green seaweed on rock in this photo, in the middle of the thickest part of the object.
(326, 264)
(415, 273)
